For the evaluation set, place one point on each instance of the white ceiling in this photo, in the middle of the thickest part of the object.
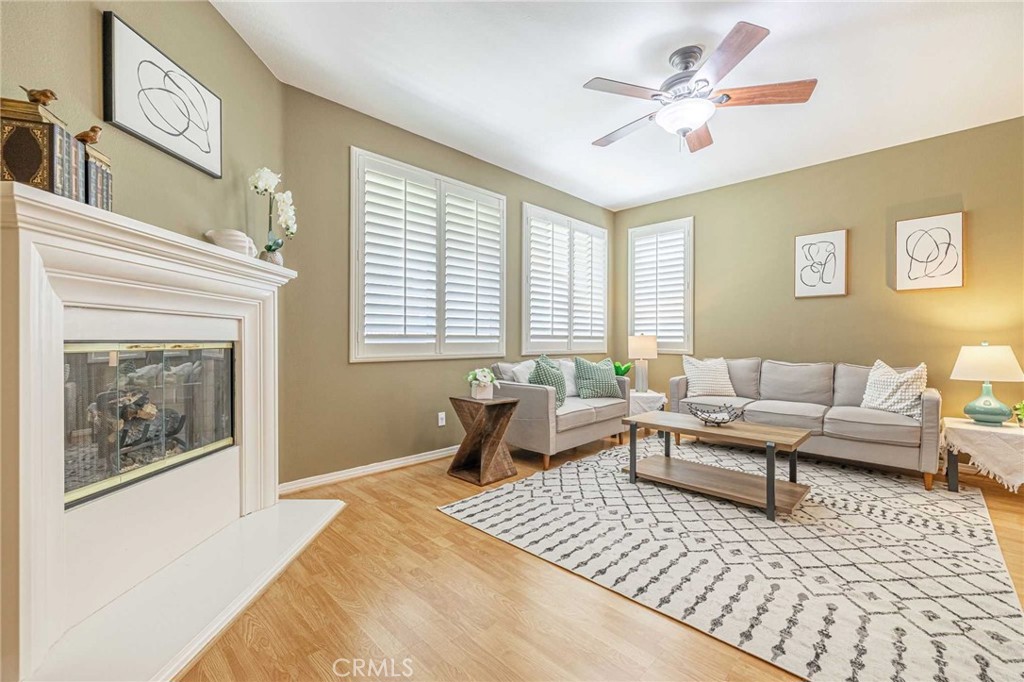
(502, 81)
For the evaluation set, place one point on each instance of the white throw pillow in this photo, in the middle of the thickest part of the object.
(568, 368)
(521, 372)
(707, 377)
(897, 392)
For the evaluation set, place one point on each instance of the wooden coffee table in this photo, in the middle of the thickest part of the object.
(757, 491)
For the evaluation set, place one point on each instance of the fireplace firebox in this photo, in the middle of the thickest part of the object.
(133, 410)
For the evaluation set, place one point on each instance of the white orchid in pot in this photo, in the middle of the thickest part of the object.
(481, 383)
(280, 210)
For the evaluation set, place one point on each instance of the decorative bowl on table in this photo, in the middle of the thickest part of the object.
(712, 415)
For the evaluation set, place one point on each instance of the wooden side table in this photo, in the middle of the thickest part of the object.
(997, 451)
(483, 456)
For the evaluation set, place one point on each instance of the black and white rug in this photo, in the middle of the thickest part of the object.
(872, 578)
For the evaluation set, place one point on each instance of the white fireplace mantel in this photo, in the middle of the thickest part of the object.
(71, 272)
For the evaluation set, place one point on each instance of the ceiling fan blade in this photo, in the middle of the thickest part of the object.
(624, 130)
(741, 40)
(793, 92)
(617, 88)
(699, 138)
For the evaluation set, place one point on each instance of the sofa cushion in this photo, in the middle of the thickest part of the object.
(799, 415)
(568, 368)
(851, 381)
(745, 375)
(872, 426)
(713, 400)
(799, 382)
(573, 413)
(608, 408)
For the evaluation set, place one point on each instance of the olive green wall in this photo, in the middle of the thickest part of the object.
(336, 415)
(744, 254)
(58, 45)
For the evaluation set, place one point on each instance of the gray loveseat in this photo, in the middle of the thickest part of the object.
(539, 427)
(825, 399)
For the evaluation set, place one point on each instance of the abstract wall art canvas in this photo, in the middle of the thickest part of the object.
(930, 252)
(821, 264)
(152, 98)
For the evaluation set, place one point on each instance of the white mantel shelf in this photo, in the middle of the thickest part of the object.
(76, 585)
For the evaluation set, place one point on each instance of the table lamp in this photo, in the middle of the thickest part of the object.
(987, 363)
(642, 348)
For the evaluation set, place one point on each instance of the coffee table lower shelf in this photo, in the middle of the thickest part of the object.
(736, 486)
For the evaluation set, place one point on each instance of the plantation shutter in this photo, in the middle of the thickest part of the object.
(589, 263)
(547, 286)
(399, 214)
(661, 284)
(565, 285)
(473, 271)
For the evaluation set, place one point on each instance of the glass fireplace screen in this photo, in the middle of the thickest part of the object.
(132, 410)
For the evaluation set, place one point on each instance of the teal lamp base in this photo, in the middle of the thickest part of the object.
(986, 410)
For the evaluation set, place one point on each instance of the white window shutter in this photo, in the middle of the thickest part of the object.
(661, 284)
(589, 289)
(473, 235)
(399, 291)
(547, 284)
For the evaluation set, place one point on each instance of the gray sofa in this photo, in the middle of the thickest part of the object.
(538, 427)
(825, 399)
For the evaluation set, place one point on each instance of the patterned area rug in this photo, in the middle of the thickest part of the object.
(872, 578)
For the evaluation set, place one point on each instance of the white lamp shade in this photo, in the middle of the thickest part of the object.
(685, 115)
(987, 363)
(643, 347)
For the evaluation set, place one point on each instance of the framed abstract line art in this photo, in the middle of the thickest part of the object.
(150, 97)
(930, 252)
(820, 264)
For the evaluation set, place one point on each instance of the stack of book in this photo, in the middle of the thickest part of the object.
(37, 148)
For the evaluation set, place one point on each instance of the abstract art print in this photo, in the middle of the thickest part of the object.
(930, 252)
(152, 98)
(821, 264)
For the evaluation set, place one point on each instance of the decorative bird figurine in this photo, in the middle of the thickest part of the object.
(90, 136)
(44, 96)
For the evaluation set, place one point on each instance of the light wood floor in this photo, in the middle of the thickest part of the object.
(393, 578)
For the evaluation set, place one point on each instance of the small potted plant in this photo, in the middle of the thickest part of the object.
(622, 370)
(1018, 412)
(263, 182)
(482, 383)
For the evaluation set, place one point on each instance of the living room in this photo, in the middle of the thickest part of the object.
(458, 340)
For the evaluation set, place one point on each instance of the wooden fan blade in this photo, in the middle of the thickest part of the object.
(741, 40)
(699, 138)
(793, 92)
(618, 88)
(624, 130)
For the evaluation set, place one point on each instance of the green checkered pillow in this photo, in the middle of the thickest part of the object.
(596, 379)
(546, 373)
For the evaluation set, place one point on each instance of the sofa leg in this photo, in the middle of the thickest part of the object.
(928, 479)
(620, 438)
(547, 462)
(679, 438)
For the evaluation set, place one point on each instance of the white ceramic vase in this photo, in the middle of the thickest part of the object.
(234, 240)
(481, 391)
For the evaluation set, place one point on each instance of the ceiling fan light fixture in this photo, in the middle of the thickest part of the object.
(685, 115)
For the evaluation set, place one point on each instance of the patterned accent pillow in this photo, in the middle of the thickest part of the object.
(897, 392)
(707, 377)
(546, 373)
(596, 379)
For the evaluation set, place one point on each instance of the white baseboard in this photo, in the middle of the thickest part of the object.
(365, 470)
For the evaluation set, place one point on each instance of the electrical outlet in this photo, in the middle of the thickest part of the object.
(440, 418)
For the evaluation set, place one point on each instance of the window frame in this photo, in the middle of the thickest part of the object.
(685, 225)
(540, 348)
(439, 349)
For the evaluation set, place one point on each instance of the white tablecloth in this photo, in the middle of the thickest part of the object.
(998, 452)
(649, 401)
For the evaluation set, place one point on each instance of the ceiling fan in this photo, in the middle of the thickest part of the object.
(688, 98)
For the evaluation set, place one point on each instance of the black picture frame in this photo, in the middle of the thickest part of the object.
(110, 111)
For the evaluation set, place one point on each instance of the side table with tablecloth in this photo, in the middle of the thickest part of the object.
(997, 451)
